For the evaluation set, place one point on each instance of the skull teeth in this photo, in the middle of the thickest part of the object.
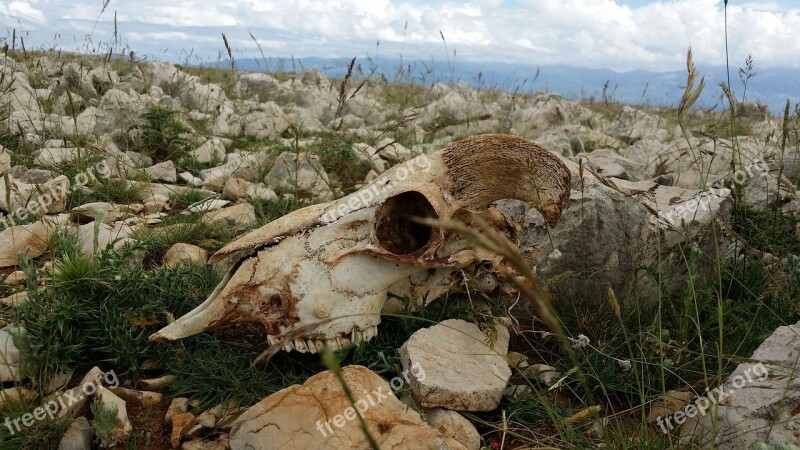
(316, 345)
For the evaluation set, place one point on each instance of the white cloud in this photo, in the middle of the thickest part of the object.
(595, 33)
(22, 12)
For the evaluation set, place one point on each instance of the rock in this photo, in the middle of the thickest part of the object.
(31, 240)
(207, 419)
(302, 172)
(216, 177)
(15, 299)
(765, 191)
(318, 415)
(139, 160)
(369, 154)
(210, 204)
(117, 111)
(185, 254)
(80, 393)
(452, 367)
(178, 405)
(79, 436)
(54, 156)
(199, 444)
(633, 124)
(5, 160)
(608, 163)
(144, 399)
(191, 179)
(392, 151)
(181, 424)
(93, 238)
(211, 150)
(15, 278)
(163, 171)
(613, 236)
(671, 402)
(267, 121)
(547, 375)
(238, 217)
(260, 192)
(110, 212)
(545, 112)
(9, 357)
(124, 427)
(757, 403)
(156, 384)
(29, 200)
(455, 426)
(14, 395)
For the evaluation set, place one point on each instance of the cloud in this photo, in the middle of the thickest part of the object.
(22, 13)
(591, 33)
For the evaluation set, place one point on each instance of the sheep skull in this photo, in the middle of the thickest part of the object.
(338, 260)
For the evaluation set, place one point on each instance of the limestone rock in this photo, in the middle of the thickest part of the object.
(238, 217)
(318, 415)
(9, 357)
(455, 368)
(302, 171)
(163, 171)
(124, 427)
(29, 239)
(453, 425)
(79, 436)
(210, 150)
(759, 399)
(185, 254)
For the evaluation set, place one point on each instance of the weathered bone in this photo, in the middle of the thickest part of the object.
(338, 260)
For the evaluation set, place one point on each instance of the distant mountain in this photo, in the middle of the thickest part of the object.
(770, 86)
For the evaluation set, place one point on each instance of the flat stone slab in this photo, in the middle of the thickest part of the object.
(450, 365)
(318, 415)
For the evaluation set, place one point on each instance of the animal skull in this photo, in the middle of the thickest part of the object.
(338, 260)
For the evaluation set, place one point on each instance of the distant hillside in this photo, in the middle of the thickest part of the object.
(771, 86)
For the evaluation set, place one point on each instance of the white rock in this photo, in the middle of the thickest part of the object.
(318, 415)
(31, 239)
(212, 149)
(302, 171)
(455, 426)
(759, 399)
(9, 357)
(185, 254)
(163, 171)
(191, 179)
(451, 366)
(79, 436)
(238, 217)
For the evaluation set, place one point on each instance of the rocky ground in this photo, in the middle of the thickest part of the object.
(674, 261)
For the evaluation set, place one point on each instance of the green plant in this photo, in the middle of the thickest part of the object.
(162, 134)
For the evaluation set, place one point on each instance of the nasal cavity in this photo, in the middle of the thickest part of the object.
(395, 230)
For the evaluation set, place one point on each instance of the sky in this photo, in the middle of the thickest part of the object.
(620, 35)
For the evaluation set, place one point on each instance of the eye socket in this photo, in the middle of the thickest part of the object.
(394, 229)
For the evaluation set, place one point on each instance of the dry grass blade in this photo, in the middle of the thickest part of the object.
(492, 240)
(690, 92)
(285, 338)
(228, 48)
(612, 300)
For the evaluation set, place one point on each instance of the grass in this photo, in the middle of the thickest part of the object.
(100, 310)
